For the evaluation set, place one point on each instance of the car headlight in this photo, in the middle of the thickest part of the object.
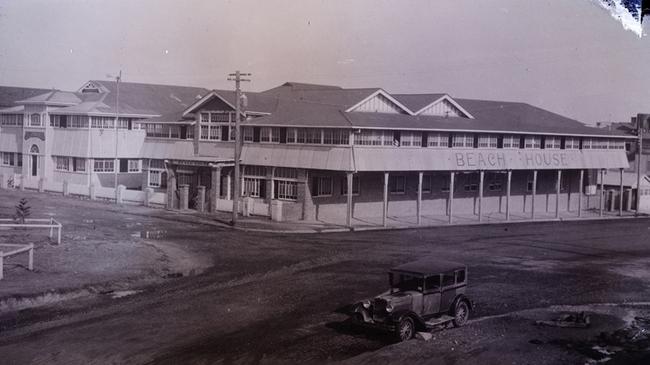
(389, 307)
(366, 304)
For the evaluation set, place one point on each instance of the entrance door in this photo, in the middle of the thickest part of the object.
(34, 165)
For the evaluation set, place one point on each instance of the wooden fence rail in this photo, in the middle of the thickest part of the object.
(15, 250)
(50, 223)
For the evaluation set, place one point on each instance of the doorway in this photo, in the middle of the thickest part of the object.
(34, 152)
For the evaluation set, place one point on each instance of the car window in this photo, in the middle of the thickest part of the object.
(460, 276)
(432, 283)
(448, 278)
(404, 282)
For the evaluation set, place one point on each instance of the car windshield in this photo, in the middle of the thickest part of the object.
(405, 282)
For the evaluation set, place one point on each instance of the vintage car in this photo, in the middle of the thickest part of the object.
(423, 294)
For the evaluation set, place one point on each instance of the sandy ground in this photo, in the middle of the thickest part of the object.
(276, 298)
(101, 250)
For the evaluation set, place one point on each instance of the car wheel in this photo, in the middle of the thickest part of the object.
(461, 314)
(405, 329)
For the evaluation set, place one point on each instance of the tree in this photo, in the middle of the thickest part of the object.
(22, 211)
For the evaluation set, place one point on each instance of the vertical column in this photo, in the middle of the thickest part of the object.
(557, 194)
(534, 191)
(270, 188)
(451, 196)
(602, 191)
(419, 202)
(200, 199)
(229, 185)
(480, 195)
(185, 196)
(171, 188)
(620, 196)
(385, 210)
(348, 219)
(215, 187)
(582, 179)
(508, 195)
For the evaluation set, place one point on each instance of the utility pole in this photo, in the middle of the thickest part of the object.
(237, 78)
(640, 125)
(116, 164)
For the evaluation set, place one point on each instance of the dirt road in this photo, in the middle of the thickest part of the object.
(280, 298)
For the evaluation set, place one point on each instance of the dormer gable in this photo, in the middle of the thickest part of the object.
(444, 106)
(380, 102)
(92, 87)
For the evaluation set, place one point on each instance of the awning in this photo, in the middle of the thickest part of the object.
(429, 159)
(307, 157)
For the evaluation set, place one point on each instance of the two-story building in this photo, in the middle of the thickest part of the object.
(312, 152)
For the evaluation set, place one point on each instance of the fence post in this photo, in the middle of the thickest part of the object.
(91, 192)
(41, 185)
(2, 265)
(66, 188)
(30, 264)
(3, 182)
(51, 227)
(58, 239)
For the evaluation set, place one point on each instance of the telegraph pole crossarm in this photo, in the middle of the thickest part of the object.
(237, 78)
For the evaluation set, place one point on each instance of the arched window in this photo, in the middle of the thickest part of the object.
(34, 149)
(35, 120)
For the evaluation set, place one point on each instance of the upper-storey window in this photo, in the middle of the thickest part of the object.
(336, 136)
(511, 141)
(534, 142)
(463, 140)
(487, 141)
(594, 144)
(411, 139)
(216, 126)
(270, 134)
(616, 144)
(552, 142)
(571, 143)
(35, 120)
(11, 119)
(248, 133)
(375, 138)
(440, 140)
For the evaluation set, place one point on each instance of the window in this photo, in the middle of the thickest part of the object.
(471, 182)
(460, 276)
(463, 140)
(248, 134)
(285, 183)
(494, 182)
(19, 159)
(254, 182)
(313, 136)
(427, 181)
(215, 126)
(533, 142)
(356, 185)
(411, 139)
(270, 135)
(322, 185)
(487, 141)
(586, 143)
(432, 283)
(600, 143)
(397, 184)
(552, 142)
(511, 141)
(79, 164)
(439, 140)
(104, 165)
(134, 166)
(8, 159)
(616, 144)
(445, 184)
(375, 138)
(157, 174)
(61, 163)
(35, 120)
(448, 279)
(571, 143)
(336, 136)
(11, 119)
(530, 182)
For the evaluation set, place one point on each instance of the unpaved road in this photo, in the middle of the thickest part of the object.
(280, 298)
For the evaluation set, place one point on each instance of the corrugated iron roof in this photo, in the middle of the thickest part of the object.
(10, 94)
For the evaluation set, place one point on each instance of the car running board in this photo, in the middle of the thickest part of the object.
(444, 319)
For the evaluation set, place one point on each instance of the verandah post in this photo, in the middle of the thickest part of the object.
(508, 195)
(582, 176)
(385, 209)
(534, 192)
(419, 203)
(480, 195)
(557, 194)
(451, 197)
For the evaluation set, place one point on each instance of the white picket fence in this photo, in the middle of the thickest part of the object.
(50, 223)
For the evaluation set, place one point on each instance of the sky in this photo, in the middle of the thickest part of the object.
(568, 56)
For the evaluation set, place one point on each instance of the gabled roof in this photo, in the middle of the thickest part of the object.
(420, 102)
(53, 97)
(10, 94)
(385, 95)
